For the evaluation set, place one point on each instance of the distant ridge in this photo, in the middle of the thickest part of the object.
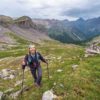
(65, 31)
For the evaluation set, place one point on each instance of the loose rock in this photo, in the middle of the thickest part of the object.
(74, 67)
(59, 70)
(1, 95)
(9, 90)
(7, 74)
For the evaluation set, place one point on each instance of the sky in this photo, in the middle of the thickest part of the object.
(51, 9)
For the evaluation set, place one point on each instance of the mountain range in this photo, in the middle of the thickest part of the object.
(36, 30)
(74, 31)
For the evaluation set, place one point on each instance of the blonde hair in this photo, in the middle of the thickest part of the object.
(32, 46)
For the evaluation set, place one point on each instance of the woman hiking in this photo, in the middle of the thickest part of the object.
(32, 59)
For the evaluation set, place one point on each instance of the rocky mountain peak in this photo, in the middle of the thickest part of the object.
(24, 22)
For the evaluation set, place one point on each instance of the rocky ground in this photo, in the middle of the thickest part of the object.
(72, 76)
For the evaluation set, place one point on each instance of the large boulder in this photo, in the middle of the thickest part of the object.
(48, 95)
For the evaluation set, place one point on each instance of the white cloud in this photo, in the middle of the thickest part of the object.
(58, 9)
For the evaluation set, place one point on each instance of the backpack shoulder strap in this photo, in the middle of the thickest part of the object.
(37, 56)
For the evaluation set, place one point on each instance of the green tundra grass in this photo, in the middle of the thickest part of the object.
(80, 84)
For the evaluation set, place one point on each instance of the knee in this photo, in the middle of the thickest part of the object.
(40, 75)
(32, 72)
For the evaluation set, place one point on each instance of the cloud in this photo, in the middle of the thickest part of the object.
(57, 9)
(90, 10)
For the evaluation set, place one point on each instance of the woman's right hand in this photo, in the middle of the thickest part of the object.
(23, 64)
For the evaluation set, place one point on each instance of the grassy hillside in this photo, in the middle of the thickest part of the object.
(80, 84)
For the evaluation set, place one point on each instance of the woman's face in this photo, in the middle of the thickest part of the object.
(32, 50)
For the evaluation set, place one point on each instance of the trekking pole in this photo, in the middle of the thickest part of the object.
(48, 71)
(22, 81)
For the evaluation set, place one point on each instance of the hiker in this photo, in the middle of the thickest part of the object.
(32, 59)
